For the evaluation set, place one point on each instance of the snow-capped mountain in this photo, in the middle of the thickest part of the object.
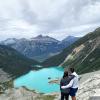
(40, 47)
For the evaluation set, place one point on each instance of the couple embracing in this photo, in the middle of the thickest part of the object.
(69, 84)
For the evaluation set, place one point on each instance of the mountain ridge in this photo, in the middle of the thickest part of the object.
(14, 63)
(83, 54)
(40, 47)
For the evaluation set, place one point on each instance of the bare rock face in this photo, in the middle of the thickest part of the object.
(24, 94)
(4, 76)
(90, 88)
(18, 94)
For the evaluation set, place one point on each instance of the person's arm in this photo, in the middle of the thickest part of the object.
(69, 85)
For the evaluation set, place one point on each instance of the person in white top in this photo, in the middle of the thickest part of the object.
(73, 84)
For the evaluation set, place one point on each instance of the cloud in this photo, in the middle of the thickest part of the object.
(57, 18)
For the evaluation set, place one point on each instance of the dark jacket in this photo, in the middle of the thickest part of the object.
(65, 81)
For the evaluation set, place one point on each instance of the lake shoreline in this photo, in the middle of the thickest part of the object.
(32, 80)
(86, 90)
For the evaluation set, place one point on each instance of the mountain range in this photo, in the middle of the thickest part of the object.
(84, 54)
(40, 47)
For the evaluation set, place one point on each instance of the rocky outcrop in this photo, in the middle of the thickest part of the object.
(90, 88)
(18, 94)
(23, 94)
(4, 76)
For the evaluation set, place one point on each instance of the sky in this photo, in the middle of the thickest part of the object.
(56, 18)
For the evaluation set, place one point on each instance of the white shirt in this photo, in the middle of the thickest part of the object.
(73, 83)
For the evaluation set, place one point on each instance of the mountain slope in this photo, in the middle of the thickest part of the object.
(84, 54)
(68, 41)
(40, 47)
(13, 62)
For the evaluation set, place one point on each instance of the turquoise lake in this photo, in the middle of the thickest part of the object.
(38, 80)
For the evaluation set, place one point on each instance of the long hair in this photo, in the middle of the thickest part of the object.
(71, 69)
(65, 74)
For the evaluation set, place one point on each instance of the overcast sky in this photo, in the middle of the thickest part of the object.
(56, 18)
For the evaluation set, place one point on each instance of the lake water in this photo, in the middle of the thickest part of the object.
(38, 80)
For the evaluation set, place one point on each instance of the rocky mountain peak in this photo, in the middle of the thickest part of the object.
(41, 38)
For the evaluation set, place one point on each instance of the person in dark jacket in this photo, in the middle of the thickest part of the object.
(65, 81)
(73, 85)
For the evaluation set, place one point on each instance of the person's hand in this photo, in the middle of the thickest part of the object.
(63, 87)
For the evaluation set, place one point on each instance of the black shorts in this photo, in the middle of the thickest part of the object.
(73, 91)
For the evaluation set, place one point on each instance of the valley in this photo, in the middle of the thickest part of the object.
(20, 73)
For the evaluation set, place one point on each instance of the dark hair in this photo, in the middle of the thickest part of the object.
(65, 74)
(72, 69)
